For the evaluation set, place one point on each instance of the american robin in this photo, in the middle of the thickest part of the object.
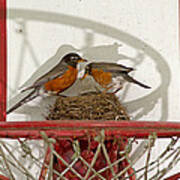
(58, 79)
(111, 75)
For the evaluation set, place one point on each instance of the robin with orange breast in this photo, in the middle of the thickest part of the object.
(110, 75)
(58, 79)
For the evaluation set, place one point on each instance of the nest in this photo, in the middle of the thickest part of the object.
(90, 106)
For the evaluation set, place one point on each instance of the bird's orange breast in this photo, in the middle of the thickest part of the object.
(62, 83)
(101, 77)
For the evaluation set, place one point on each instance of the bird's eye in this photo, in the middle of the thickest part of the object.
(73, 58)
(87, 68)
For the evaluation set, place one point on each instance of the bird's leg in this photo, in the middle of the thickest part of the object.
(107, 88)
(61, 95)
(117, 90)
(97, 89)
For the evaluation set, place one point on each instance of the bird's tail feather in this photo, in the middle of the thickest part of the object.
(28, 88)
(130, 79)
(32, 95)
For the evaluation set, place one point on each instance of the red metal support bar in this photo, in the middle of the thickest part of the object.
(179, 21)
(75, 124)
(2, 60)
(82, 128)
(44, 169)
(3, 177)
(174, 177)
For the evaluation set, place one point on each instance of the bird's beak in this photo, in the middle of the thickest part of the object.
(85, 75)
(82, 60)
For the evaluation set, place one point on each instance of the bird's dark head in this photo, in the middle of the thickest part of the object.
(87, 71)
(73, 59)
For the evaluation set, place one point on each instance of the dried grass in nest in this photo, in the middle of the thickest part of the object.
(90, 106)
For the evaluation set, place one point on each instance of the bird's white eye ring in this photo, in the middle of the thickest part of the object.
(74, 58)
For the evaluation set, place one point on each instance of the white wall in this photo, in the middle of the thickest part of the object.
(146, 32)
(140, 33)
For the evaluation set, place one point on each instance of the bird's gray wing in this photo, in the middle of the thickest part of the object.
(55, 72)
(111, 67)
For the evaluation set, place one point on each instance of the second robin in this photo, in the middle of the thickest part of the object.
(58, 79)
(111, 75)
